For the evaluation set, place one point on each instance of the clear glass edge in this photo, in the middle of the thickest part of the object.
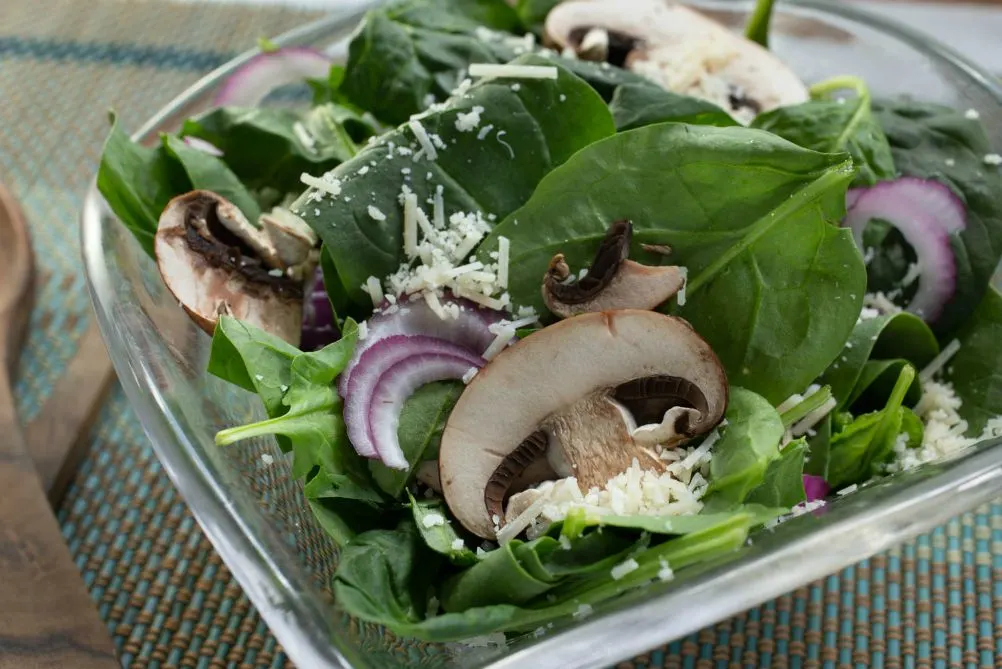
(916, 502)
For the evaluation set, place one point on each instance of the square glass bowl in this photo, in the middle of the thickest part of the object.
(260, 523)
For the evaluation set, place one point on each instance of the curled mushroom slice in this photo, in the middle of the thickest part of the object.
(612, 282)
(680, 49)
(573, 393)
(211, 270)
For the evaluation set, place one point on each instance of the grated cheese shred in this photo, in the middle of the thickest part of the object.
(508, 71)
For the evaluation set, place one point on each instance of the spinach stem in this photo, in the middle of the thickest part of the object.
(805, 406)
(843, 172)
(901, 386)
(232, 435)
(757, 29)
(841, 83)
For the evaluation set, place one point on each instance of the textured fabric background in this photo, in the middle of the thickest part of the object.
(167, 598)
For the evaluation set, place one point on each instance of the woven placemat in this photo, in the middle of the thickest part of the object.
(166, 596)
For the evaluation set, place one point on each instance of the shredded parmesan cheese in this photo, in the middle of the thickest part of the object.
(375, 214)
(470, 373)
(410, 225)
(501, 340)
(937, 363)
(508, 71)
(623, 568)
(328, 184)
(421, 135)
(375, 290)
(433, 520)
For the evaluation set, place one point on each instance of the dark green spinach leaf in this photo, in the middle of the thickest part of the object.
(976, 370)
(493, 175)
(747, 446)
(499, 578)
(207, 172)
(886, 337)
(783, 485)
(137, 182)
(637, 105)
(831, 126)
(774, 285)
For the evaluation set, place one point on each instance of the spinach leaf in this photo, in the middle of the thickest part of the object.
(935, 142)
(637, 105)
(332, 285)
(313, 422)
(207, 172)
(831, 126)
(859, 450)
(401, 61)
(343, 519)
(253, 359)
(422, 421)
(494, 175)
(783, 486)
(885, 337)
(774, 286)
(976, 370)
(593, 552)
(262, 147)
(364, 585)
(746, 447)
(137, 182)
(441, 538)
(499, 578)
(890, 258)
(384, 576)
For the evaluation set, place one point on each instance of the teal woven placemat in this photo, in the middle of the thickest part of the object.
(166, 596)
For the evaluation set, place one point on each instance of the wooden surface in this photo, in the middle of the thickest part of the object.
(47, 618)
(57, 438)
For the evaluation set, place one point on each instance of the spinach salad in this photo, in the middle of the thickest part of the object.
(550, 301)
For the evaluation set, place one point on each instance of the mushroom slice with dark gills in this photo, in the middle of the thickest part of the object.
(679, 49)
(215, 262)
(572, 394)
(612, 282)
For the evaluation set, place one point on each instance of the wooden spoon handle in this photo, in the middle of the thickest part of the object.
(58, 436)
(47, 618)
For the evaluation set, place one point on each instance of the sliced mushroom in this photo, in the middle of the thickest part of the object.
(573, 393)
(612, 281)
(290, 237)
(680, 49)
(212, 270)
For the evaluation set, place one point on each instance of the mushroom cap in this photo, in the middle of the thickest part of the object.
(612, 281)
(534, 382)
(669, 37)
(211, 272)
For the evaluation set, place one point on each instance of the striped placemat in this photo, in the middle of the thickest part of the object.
(166, 596)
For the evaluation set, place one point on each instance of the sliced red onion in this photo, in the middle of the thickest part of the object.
(202, 145)
(396, 385)
(815, 487)
(319, 324)
(469, 330)
(265, 72)
(370, 370)
(926, 213)
(852, 196)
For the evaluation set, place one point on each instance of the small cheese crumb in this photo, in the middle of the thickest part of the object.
(267, 459)
(468, 121)
(565, 543)
(275, 272)
(583, 611)
(623, 568)
(433, 520)
(470, 373)
(486, 130)
(363, 330)
(993, 159)
(509, 71)
(458, 544)
(259, 377)
(972, 114)
(665, 573)
(375, 214)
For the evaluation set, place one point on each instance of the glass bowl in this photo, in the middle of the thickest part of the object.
(258, 520)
